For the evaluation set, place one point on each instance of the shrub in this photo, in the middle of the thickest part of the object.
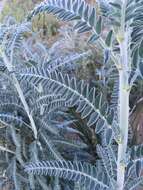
(45, 104)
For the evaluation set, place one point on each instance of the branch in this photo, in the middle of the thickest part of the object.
(2, 148)
(20, 93)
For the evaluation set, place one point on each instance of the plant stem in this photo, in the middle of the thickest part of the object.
(123, 99)
(123, 124)
(123, 111)
(5, 149)
(9, 66)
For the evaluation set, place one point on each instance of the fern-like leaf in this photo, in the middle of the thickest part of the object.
(8, 119)
(76, 171)
(68, 10)
(76, 93)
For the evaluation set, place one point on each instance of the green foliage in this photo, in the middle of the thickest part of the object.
(10, 9)
(18, 9)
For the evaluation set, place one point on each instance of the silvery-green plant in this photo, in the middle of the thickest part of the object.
(20, 98)
(34, 113)
(117, 27)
